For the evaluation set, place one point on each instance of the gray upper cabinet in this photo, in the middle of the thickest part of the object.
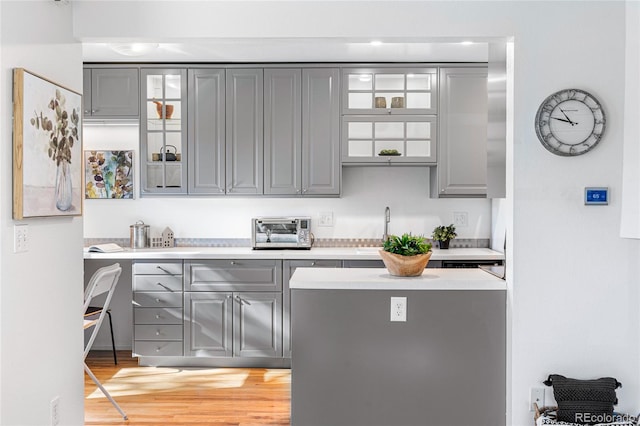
(282, 131)
(163, 131)
(321, 169)
(462, 119)
(244, 131)
(111, 93)
(302, 145)
(206, 174)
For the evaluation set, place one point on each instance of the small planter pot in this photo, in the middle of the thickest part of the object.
(443, 244)
(405, 266)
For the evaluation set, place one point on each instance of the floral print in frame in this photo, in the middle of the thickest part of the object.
(108, 174)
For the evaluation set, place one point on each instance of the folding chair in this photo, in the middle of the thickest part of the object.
(104, 280)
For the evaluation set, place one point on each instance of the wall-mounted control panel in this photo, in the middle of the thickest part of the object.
(596, 196)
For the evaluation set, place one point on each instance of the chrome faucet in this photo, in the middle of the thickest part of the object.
(387, 219)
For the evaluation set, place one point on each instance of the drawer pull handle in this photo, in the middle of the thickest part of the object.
(158, 300)
(313, 263)
(165, 287)
(157, 316)
(158, 349)
(233, 262)
(165, 271)
(157, 333)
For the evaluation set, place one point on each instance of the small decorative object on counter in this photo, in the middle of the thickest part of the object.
(405, 256)
(167, 238)
(443, 234)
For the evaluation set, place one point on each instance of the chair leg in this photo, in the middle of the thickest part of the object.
(104, 391)
(113, 342)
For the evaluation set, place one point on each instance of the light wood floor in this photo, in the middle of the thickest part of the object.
(189, 396)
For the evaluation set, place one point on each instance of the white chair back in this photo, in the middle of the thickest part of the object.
(104, 280)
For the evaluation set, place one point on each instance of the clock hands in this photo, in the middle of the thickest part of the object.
(568, 120)
(562, 119)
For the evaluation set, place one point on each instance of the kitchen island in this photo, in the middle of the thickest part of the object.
(444, 366)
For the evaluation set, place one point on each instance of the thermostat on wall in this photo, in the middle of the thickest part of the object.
(596, 196)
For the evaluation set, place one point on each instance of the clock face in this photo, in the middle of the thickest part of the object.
(570, 122)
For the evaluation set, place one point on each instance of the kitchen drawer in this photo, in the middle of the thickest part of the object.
(157, 316)
(158, 332)
(233, 275)
(157, 348)
(157, 268)
(157, 299)
(157, 283)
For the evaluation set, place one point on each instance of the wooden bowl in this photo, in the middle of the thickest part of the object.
(405, 266)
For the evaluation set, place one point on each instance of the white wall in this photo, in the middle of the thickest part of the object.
(573, 282)
(358, 213)
(41, 293)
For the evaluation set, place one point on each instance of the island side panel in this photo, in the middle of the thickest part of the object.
(445, 366)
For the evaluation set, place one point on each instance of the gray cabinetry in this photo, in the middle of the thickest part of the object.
(282, 131)
(111, 93)
(302, 139)
(206, 173)
(289, 267)
(163, 131)
(157, 308)
(321, 131)
(233, 308)
(462, 121)
(244, 131)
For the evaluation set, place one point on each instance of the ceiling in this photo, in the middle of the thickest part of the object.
(293, 50)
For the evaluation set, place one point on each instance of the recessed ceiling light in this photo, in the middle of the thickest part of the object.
(376, 43)
(133, 49)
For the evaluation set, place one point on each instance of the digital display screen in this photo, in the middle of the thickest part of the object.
(597, 196)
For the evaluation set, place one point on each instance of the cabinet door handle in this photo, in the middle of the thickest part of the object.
(233, 262)
(242, 301)
(313, 263)
(158, 300)
(157, 332)
(157, 316)
(93, 111)
(304, 191)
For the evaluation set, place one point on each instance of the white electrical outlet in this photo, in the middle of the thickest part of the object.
(461, 219)
(55, 411)
(537, 396)
(326, 219)
(399, 309)
(20, 238)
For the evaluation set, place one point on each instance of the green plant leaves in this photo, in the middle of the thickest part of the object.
(406, 245)
(444, 233)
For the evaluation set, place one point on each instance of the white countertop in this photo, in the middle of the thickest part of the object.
(379, 279)
(341, 253)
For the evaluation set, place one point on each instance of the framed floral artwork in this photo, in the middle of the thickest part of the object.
(108, 174)
(47, 148)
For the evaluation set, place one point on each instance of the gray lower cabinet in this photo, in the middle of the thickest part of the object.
(157, 308)
(111, 93)
(462, 123)
(206, 141)
(239, 324)
(244, 131)
(233, 308)
(289, 267)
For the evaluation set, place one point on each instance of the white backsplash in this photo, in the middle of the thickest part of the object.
(358, 213)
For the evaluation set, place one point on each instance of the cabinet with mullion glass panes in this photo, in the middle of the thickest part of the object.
(163, 134)
(390, 91)
(389, 140)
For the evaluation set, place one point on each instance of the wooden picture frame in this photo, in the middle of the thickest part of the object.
(47, 148)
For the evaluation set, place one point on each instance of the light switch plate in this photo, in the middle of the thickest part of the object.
(20, 238)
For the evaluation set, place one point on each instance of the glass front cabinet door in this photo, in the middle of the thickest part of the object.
(389, 91)
(163, 136)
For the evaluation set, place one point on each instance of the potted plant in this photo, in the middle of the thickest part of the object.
(406, 255)
(443, 234)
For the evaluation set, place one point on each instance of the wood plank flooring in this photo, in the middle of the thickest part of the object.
(185, 396)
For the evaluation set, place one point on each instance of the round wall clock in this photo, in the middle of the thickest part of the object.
(570, 122)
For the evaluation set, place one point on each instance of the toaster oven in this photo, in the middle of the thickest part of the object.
(281, 233)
